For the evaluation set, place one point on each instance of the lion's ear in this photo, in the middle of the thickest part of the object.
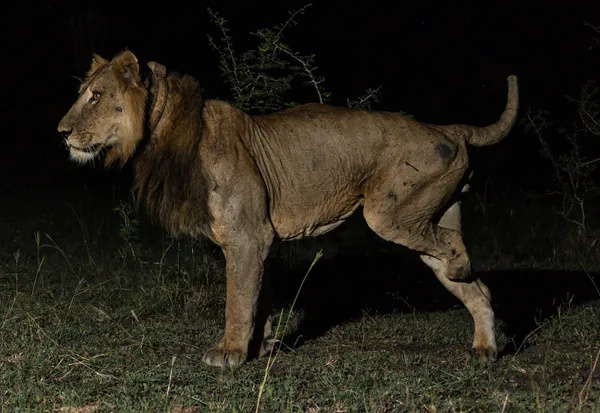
(97, 62)
(129, 63)
(159, 70)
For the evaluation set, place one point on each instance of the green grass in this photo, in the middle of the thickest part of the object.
(82, 325)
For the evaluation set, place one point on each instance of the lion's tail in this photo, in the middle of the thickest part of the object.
(489, 135)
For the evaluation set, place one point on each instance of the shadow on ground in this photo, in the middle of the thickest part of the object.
(344, 288)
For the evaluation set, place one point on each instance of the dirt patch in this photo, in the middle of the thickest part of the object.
(592, 372)
(179, 408)
(542, 350)
(393, 346)
(90, 408)
(536, 371)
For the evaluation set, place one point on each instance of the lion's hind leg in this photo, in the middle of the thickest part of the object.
(474, 294)
(443, 250)
(406, 218)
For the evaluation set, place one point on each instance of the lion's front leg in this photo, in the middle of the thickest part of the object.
(244, 267)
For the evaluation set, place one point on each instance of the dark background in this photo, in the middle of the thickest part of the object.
(443, 62)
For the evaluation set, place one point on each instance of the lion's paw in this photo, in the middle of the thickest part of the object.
(220, 357)
(267, 346)
(484, 354)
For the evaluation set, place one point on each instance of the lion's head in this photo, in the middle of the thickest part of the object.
(108, 117)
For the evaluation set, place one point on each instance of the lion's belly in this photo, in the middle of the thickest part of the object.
(311, 219)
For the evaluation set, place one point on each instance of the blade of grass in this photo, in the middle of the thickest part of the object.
(272, 358)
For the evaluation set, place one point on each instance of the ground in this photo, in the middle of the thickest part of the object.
(101, 314)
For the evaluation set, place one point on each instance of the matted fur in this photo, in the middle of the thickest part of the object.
(208, 168)
(170, 179)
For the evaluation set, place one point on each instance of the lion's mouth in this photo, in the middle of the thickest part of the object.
(83, 154)
(86, 153)
(87, 149)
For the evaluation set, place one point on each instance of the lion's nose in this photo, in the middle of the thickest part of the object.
(65, 133)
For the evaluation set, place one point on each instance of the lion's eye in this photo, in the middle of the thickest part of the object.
(95, 96)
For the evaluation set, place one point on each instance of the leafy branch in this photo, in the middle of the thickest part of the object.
(260, 78)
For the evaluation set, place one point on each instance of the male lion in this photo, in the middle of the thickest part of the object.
(203, 167)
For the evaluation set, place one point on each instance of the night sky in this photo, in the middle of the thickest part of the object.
(443, 62)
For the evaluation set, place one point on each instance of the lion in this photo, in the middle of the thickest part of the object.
(204, 168)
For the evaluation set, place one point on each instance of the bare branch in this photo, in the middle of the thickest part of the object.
(309, 72)
(364, 101)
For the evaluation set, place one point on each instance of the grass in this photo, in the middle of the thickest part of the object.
(86, 325)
